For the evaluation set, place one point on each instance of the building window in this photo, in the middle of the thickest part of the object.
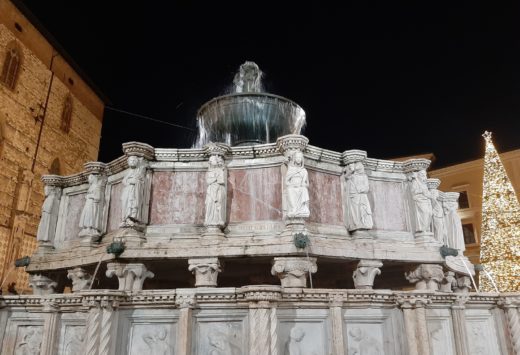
(469, 233)
(11, 67)
(463, 200)
(55, 168)
(66, 114)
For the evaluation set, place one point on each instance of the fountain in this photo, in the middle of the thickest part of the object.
(211, 250)
(248, 116)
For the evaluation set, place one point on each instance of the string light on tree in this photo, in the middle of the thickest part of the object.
(500, 240)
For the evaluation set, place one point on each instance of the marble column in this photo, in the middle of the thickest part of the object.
(336, 314)
(93, 325)
(365, 273)
(511, 306)
(206, 271)
(50, 328)
(426, 277)
(460, 331)
(263, 323)
(293, 271)
(108, 326)
(42, 285)
(185, 301)
(414, 313)
(131, 276)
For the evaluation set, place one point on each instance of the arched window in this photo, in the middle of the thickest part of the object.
(55, 168)
(66, 114)
(12, 64)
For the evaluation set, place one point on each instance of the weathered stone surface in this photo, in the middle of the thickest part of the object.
(177, 197)
(254, 194)
(388, 203)
(114, 211)
(325, 198)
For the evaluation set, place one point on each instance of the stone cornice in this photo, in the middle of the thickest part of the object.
(139, 149)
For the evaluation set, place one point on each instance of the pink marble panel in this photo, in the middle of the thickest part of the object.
(254, 194)
(178, 198)
(114, 210)
(325, 198)
(388, 203)
(74, 209)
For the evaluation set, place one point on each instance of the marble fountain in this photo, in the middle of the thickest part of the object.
(253, 242)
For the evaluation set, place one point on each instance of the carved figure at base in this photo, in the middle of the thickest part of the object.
(50, 207)
(421, 198)
(157, 342)
(293, 346)
(30, 343)
(132, 197)
(365, 345)
(359, 213)
(297, 183)
(220, 345)
(91, 219)
(216, 193)
(74, 345)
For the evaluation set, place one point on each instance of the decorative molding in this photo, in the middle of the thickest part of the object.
(291, 142)
(95, 167)
(353, 156)
(52, 180)
(139, 149)
(293, 271)
(416, 165)
(219, 149)
(42, 285)
(433, 184)
(206, 271)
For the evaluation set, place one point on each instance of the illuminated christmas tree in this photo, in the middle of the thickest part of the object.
(500, 240)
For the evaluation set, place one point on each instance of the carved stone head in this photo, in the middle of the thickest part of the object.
(133, 161)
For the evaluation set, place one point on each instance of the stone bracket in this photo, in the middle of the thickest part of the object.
(365, 273)
(205, 270)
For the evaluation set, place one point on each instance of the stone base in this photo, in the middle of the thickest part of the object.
(130, 237)
(362, 234)
(293, 226)
(44, 248)
(426, 239)
(212, 236)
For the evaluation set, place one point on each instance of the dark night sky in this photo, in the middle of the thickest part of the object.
(393, 79)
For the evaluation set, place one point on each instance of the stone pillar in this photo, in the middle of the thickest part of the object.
(426, 277)
(185, 301)
(460, 332)
(205, 270)
(93, 325)
(50, 328)
(293, 271)
(130, 276)
(216, 194)
(414, 312)
(462, 284)
(365, 273)
(108, 325)
(511, 306)
(263, 324)
(295, 195)
(81, 280)
(336, 313)
(42, 285)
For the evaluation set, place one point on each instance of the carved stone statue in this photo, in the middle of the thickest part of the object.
(75, 342)
(296, 184)
(439, 228)
(366, 345)
(220, 345)
(421, 198)
(359, 213)
(50, 208)
(91, 220)
(216, 193)
(157, 342)
(248, 78)
(132, 197)
(30, 343)
(293, 345)
(455, 236)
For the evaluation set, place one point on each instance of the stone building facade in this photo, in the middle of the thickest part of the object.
(50, 123)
